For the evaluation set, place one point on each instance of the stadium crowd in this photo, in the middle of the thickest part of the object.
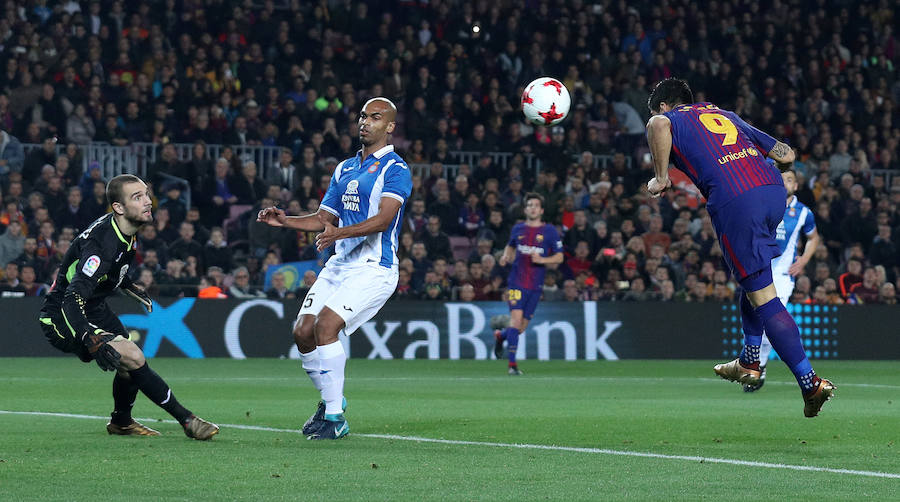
(821, 76)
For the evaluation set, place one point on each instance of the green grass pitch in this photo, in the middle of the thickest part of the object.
(576, 427)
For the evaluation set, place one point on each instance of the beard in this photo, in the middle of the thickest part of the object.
(137, 219)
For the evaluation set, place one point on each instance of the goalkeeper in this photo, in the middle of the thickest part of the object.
(76, 319)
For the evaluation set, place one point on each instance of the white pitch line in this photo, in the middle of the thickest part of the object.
(572, 449)
(531, 378)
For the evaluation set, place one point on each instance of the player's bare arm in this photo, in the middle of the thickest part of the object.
(276, 217)
(387, 211)
(782, 154)
(553, 259)
(659, 136)
(812, 243)
(509, 254)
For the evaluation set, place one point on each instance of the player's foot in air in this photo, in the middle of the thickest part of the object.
(734, 371)
(315, 421)
(333, 427)
(197, 428)
(514, 370)
(817, 398)
(135, 428)
(498, 344)
(762, 381)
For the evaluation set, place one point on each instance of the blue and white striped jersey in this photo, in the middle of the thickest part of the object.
(797, 218)
(356, 189)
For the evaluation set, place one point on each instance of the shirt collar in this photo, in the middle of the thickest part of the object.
(793, 201)
(380, 153)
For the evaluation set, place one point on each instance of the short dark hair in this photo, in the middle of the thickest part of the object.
(114, 187)
(672, 91)
(534, 195)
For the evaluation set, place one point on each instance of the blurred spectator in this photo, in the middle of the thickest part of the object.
(185, 245)
(868, 290)
(12, 242)
(888, 294)
(279, 291)
(851, 277)
(29, 282)
(241, 287)
(216, 252)
(10, 287)
(435, 240)
(12, 155)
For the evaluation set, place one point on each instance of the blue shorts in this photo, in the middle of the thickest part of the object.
(525, 300)
(746, 231)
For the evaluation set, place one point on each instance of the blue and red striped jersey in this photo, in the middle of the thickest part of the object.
(526, 240)
(723, 155)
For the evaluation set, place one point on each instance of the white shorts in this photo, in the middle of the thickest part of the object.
(784, 286)
(355, 293)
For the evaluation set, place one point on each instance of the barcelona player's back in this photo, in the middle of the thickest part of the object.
(723, 155)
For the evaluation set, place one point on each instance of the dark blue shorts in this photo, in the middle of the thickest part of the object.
(746, 230)
(525, 300)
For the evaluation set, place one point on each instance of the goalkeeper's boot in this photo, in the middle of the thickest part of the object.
(498, 344)
(333, 427)
(758, 385)
(135, 428)
(315, 421)
(197, 428)
(515, 371)
(816, 399)
(734, 371)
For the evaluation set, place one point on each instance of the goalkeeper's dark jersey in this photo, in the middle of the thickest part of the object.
(95, 265)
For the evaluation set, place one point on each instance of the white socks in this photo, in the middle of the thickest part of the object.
(310, 363)
(332, 360)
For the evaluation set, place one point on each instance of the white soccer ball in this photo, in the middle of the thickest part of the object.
(545, 101)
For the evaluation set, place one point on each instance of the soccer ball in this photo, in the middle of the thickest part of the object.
(545, 101)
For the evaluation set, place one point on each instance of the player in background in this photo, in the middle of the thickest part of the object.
(797, 218)
(532, 244)
(724, 158)
(76, 319)
(361, 214)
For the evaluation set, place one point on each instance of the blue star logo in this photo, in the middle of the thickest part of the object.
(166, 323)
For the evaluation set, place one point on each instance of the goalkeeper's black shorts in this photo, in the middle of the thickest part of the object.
(60, 334)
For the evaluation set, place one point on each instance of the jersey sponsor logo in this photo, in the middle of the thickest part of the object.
(529, 250)
(91, 265)
(350, 198)
(743, 154)
(780, 232)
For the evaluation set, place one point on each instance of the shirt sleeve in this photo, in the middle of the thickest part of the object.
(92, 265)
(552, 242)
(331, 202)
(809, 225)
(397, 182)
(759, 138)
(513, 235)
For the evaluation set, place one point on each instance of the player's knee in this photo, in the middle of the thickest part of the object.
(304, 334)
(132, 356)
(327, 330)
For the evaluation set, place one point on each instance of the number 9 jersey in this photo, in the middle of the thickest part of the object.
(721, 154)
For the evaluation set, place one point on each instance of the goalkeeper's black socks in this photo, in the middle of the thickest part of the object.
(124, 393)
(155, 388)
